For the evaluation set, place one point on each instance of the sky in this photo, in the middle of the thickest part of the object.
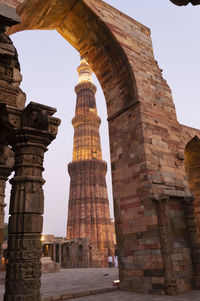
(48, 66)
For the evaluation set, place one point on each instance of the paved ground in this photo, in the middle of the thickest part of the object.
(128, 296)
(63, 286)
(70, 281)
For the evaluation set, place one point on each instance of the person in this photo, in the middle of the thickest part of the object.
(110, 261)
(116, 261)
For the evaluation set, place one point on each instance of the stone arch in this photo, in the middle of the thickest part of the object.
(192, 169)
(79, 23)
(93, 39)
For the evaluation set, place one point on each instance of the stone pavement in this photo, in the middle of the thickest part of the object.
(128, 296)
(70, 283)
(74, 281)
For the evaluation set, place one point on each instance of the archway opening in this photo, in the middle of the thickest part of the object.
(192, 168)
(84, 30)
(96, 43)
(51, 81)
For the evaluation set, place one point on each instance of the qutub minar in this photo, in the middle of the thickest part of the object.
(88, 209)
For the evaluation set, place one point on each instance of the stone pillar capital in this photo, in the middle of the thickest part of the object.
(33, 125)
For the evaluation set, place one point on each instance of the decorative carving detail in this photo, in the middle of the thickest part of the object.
(27, 201)
(37, 119)
(5, 126)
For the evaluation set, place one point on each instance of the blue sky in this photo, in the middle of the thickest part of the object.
(48, 66)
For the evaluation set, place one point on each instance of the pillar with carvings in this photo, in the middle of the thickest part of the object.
(29, 143)
(10, 94)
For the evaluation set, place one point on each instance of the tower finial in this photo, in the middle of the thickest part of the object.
(84, 71)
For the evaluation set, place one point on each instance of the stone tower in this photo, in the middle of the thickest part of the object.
(88, 209)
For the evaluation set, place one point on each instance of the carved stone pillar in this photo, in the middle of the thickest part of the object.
(29, 142)
(10, 93)
(166, 244)
(194, 241)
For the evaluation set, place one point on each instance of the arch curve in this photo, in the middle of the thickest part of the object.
(92, 38)
(192, 169)
(193, 144)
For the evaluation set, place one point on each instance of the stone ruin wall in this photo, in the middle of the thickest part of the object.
(154, 222)
(156, 169)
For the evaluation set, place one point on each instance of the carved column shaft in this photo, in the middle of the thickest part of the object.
(166, 247)
(195, 247)
(29, 143)
(25, 223)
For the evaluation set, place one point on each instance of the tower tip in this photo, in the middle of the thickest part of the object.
(84, 71)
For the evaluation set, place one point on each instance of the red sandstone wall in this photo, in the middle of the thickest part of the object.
(156, 169)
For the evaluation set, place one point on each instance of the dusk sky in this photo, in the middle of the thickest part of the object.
(48, 66)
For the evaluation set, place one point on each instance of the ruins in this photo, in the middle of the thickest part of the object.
(154, 158)
(68, 253)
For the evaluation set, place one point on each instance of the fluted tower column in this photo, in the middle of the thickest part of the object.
(88, 209)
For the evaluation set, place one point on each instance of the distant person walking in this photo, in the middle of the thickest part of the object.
(116, 261)
(110, 261)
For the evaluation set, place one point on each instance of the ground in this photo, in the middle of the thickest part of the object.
(74, 282)
(127, 296)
